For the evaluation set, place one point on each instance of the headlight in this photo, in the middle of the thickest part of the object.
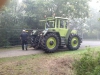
(41, 34)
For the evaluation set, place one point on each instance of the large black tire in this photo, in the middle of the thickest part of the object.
(51, 43)
(35, 42)
(43, 43)
(74, 42)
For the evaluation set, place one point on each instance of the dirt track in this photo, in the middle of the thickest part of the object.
(19, 52)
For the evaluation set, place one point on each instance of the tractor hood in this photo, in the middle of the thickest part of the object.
(39, 32)
(36, 32)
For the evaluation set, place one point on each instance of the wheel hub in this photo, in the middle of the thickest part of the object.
(75, 42)
(51, 42)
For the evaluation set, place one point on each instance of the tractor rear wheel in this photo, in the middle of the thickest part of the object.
(74, 42)
(51, 42)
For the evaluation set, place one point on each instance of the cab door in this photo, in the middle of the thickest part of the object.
(62, 27)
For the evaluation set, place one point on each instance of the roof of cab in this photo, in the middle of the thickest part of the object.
(52, 18)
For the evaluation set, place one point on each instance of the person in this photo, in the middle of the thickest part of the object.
(24, 38)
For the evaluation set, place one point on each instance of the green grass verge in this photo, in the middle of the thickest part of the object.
(58, 63)
(56, 54)
(10, 48)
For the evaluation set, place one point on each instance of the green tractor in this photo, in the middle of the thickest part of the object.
(55, 35)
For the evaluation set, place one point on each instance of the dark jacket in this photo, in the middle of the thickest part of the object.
(24, 36)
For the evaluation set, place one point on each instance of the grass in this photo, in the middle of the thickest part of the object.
(59, 63)
(10, 48)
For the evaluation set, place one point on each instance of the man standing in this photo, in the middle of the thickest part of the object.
(24, 38)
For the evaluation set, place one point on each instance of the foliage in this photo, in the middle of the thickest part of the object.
(16, 16)
(88, 64)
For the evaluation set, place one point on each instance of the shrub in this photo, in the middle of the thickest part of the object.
(88, 64)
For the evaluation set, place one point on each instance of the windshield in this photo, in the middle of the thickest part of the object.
(50, 24)
(41, 25)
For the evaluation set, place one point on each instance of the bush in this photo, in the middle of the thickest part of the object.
(88, 64)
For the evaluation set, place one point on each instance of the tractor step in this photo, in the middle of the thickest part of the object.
(63, 41)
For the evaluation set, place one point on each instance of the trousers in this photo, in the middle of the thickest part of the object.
(24, 44)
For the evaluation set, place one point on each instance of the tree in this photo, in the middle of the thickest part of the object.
(15, 16)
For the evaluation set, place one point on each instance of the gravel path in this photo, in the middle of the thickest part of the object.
(19, 52)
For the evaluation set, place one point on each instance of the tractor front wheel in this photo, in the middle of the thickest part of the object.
(74, 42)
(51, 42)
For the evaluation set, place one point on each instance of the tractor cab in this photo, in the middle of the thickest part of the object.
(58, 24)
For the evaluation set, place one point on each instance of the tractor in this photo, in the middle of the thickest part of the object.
(55, 35)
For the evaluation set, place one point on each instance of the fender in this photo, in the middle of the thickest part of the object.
(67, 36)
